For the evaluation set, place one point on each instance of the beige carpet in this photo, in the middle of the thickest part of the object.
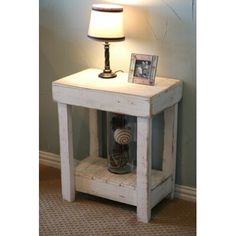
(90, 215)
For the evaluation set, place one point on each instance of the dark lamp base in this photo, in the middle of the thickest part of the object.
(106, 75)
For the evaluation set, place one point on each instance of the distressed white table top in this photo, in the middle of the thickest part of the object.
(89, 79)
(86, 89)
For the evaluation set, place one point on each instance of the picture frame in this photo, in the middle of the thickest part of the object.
(143, 69)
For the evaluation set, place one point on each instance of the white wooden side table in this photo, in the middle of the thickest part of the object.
(143, 188)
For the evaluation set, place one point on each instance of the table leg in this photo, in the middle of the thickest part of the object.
(93, 132)
(170, 143)
(66, 151)
(144, 140)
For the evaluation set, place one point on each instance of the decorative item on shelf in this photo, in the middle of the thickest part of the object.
(106, 24)
(123, 136)
(143, 69)
(121, 143)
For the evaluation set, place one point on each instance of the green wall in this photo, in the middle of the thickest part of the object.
(164, 28)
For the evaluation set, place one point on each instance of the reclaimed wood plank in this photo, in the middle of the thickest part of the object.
(66, 152)
(117, 95)
(93, 133)
(170, 143)
(144, 140)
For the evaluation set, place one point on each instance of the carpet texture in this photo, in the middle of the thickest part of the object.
(90, 215)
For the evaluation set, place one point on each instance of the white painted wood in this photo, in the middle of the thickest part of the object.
(170, 143)
(66, 152)
(109, 191)
(92, 176)
(86, 89)
(166, 99)
(101, 100)
(182, 192)
(160, 192)
(93, 132)
(116, 95)
(144, 140)
(96, 168)
(168, 140)
(174, 147)
(89, 79)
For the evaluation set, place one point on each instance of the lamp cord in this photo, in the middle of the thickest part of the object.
(118, 71)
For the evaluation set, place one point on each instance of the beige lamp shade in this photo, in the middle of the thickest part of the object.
(106, 22)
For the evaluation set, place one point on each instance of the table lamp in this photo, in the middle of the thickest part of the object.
(106, 24)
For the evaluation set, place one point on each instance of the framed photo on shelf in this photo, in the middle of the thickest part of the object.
(143, 69)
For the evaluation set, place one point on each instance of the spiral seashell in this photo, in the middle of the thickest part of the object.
(123, 136)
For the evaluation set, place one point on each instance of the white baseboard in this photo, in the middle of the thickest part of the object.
(49, 159)
(185, 193)
(181, 191)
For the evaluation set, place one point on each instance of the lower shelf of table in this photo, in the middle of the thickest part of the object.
(92, 177)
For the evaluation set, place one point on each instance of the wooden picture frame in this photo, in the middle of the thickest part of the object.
(143, 69)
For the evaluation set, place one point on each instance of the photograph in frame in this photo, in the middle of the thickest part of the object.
(143, 69)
